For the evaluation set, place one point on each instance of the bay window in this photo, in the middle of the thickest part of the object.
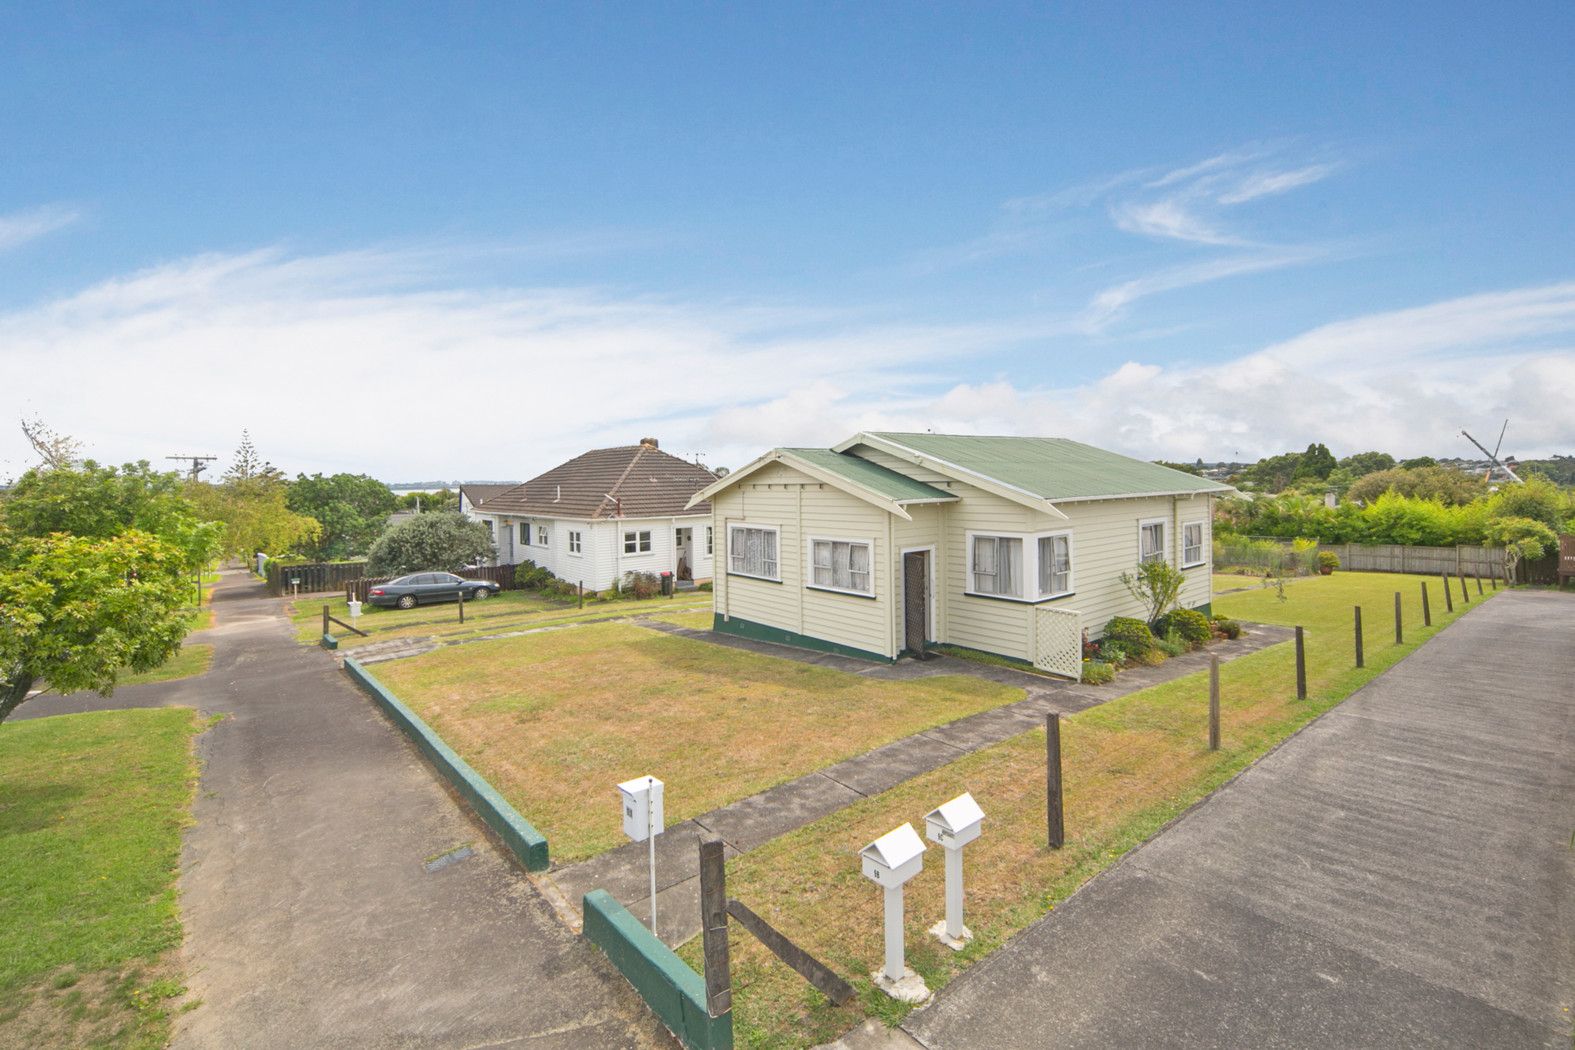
(997, 565)
(1055, 565)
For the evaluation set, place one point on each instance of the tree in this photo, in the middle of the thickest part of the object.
(1537, 498)
(1185, 468)
(1363, 463)
(1523, 539)
(1317, 462)
(53, 448)
(351, 508)
(101, 502)
(1446, 484)
(247, 464)
(1157, 585)
(425, 502)
(1272, 473)
(1419, 461)
(255, 516)
(429, 542)
(77, 610)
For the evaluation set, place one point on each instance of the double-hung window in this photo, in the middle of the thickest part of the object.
(1191, 544)
(709, 540)
(1151, 541)
(525, 533)
(1055, 565)
(541, 535)
(752, 551)
(841, 565)
(574, 542)
(637, 542)
(997, 566)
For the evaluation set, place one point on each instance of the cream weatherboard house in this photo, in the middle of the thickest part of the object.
(603, 514)
(1009, 545)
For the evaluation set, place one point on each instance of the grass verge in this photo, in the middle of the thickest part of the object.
(555, 720)
(189, 660)
(1130, 766)
(91, 812)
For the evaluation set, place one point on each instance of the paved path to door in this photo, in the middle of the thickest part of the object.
(1398, 874)
(314, 916)
(752, 822)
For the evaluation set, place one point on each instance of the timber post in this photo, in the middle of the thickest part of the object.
(1427, 610)
(1214, 702)
(1399, 630)
(1359, 662)
(1465, 595)
(1055, 813)
(713, 927)
(1301, 666)
(1449, 598)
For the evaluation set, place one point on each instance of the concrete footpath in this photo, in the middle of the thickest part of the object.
(1398, 874)
(334, 894)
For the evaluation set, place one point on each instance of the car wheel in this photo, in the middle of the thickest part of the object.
(481, 592)
(407, 601)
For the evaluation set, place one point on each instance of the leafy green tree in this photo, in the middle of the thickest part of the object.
(1418, 461)
(1317, 462)
(255, 516)
(352, 509)
(442, 499)
(100, 502)
(1185, 468)
(429, 542)
(1538, 499)
(75, 611)
(1272, 473)
(1361, 464)
(1445, 484)
(1523, 539)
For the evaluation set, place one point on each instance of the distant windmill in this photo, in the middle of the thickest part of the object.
(1493, 456)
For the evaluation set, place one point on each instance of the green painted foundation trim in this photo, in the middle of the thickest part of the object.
(524, 841)
(1207, 608)
(673, 991)
(330, 642)
(759, 632)
(984, 656)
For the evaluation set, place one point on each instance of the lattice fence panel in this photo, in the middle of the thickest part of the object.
(1058, 637)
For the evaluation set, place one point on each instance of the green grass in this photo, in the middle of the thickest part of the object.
(188, 660)
(1130, 766)
(91, 812)
(699, 619)
(554, 720)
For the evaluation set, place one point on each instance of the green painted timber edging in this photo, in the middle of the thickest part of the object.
(673, 991)
(330, 642)
(759, 632)
(523, 840)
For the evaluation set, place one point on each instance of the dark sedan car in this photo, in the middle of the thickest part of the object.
(418, 588)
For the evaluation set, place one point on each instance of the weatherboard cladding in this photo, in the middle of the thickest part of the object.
(1053, 468)
(880, 480)
(631, 481)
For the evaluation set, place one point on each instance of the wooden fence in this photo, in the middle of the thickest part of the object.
(1461, 560)
(312, 578)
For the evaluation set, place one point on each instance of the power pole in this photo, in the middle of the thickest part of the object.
(198, 463)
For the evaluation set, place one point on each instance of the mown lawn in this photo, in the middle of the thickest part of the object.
(556, 720)
(1130, 766)
(91, 812)
(188, 660)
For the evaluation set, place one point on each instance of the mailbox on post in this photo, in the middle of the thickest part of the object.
(952, 826)
(889, 862)
(643, 820)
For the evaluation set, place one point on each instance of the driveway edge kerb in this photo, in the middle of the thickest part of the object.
(517, 834)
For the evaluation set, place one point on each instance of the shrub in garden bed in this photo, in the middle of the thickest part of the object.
(1173, 644)
(1097, 672)
(1225, 627)
(1191, 625)
(1131, 634)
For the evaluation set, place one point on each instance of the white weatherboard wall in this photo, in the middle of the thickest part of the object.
(601, 561)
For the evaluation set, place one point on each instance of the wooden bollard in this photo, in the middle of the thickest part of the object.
(1055, 813)
(1301, 666)
(325, 619)
(1479, 584)
(713, 927)
(1399, 631)
(461, 606)
(1214, 702)
(1427, 610)
(582, 594)
(1449, 598)
(1359, 636)
(1494, 577)
(1465, 595)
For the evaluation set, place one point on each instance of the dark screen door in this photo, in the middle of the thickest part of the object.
(915, 599)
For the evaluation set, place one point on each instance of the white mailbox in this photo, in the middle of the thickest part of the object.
(642, 807)
(894, 858)
(956, 823)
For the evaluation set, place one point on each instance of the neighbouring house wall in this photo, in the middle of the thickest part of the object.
(801, 507)
(601, 561)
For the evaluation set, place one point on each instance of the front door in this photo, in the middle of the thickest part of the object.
(916, 601)
(684, 543)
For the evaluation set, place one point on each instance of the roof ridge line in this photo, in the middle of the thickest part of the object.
(612, 493)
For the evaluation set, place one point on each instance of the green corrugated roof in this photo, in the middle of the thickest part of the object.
(1054, 468)
(873, 476)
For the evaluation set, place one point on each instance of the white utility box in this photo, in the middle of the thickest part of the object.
(894, 858)
(355, 608)
(956, 823)
(642, 807)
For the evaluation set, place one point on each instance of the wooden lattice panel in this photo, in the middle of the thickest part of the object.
(1058, 638)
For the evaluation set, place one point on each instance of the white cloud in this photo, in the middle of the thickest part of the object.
(1269, 183)
(1169, 218)
(19, 227)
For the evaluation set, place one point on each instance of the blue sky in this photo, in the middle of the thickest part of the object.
(1172, 230)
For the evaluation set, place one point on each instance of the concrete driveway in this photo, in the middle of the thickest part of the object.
(1399, 874)
(320, 908)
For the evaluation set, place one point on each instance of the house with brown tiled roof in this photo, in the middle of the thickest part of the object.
(604, 514)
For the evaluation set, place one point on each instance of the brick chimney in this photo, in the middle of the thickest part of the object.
(649, 443)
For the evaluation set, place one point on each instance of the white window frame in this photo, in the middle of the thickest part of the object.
(649, 543)
(1202, 558)
(543, 536)
(524, 531)
(1071, 564)
(576, 543)
(710, 541)
(809, 564)
(734, 526)
(1164, 552)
